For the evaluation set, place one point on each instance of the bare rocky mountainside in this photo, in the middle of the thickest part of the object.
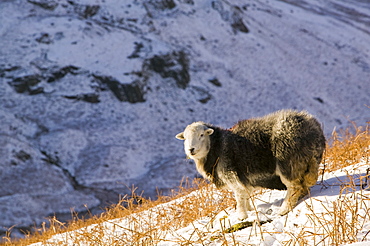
(92, 93)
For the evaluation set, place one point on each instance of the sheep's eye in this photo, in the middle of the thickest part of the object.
(201, 135)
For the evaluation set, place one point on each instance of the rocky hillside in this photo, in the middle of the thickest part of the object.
(92, 93)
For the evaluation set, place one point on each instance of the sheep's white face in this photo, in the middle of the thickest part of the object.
(197, 142)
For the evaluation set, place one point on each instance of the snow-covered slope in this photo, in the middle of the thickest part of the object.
(93, 92)
(337, 211)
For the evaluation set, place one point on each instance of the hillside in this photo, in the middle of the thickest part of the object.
(92, 93)
(337, 211)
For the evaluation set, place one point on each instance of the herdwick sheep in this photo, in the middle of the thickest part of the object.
(280, 151)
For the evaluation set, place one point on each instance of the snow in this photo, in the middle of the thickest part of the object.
(340, 191)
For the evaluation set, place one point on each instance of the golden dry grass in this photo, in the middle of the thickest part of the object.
(348, 147)
(149, 222)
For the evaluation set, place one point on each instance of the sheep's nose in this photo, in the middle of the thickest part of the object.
(191, 151)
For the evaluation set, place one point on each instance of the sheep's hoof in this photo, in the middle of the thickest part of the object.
(284, 210)
(242, 216)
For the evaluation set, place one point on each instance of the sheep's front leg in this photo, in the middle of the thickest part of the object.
(243, 205)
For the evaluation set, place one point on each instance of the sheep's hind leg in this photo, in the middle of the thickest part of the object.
(296, 188)
(295, 191)
(299, 188)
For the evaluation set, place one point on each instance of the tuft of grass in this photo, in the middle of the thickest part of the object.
(348, 147)
(342, 221)
(149, 222)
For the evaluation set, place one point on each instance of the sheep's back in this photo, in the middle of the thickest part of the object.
(287, 133)
(296, 136)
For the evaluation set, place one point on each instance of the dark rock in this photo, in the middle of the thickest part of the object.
(190, 2)
(46, 4)
(86, 11)
(201, 94)
(27, 84)
(162, 4)
(90, 97)
(239, 25)
(215, 82)
(138, 48)
(22, 155)
(50, 159)
(24, 84)
(232, 14)
(174, 65)
(319, 99)
(90, 10)
(205, 100)
(132, 93)
(44, 38)
(59, 73)
(5, 69)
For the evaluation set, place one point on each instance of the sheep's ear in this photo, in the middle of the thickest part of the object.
(180, 136)
(209, 131)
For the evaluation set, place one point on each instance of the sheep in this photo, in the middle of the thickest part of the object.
(281, 150)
